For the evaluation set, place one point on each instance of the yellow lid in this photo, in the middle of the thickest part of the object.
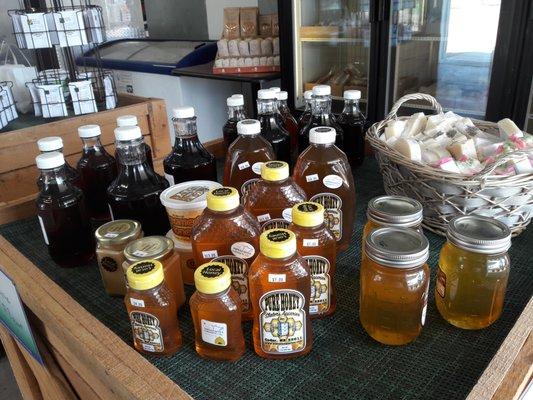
(223, 199)
(212, 277)
(274, 170)
(307, 214)
(277, 243)
(144, 275)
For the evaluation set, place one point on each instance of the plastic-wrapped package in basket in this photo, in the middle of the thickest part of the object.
(486, 190)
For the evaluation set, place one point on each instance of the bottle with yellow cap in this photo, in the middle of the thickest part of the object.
(317, 245)
(216, 313)
(280, 286)
(271, 199)
(152, 309)
(226, 232)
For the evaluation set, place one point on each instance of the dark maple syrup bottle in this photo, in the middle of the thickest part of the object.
(289, 123)
(55, 143)
(134, 194)
(62, 214)
(131, 120)
(189, 160)
(306, 115)
(272, 126)
(98, 169)
(236, 113)
(352, 122)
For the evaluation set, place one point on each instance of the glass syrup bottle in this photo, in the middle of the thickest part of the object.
(97, 169)
(134, 194)
(55, 143)
(189, 160)
(131, 120)
(62, 214)
(272, 126)
(352, 122)
(306, 115)
(289, 123)
(236, 113)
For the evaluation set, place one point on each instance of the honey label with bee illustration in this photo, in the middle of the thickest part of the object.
(319, 301)
(146, 331)
(239, 278)
(214, 333)
(282, 321)
(332, 212)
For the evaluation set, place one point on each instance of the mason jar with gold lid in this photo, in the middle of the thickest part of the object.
(473, 271)
(394, 284)
(158, 248)
(111, 239)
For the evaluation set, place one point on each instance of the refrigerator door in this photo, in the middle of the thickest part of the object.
(438, 47)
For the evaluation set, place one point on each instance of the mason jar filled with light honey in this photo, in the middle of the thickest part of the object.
(394, 284)
(216, 313)
(473, 271)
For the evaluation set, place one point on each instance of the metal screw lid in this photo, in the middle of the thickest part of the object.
(397, 247)
(479, 234)
(396, 211)
(148, 248)
(118, 232)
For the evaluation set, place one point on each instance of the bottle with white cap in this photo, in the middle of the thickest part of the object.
(131, 120)
(62, 214)
(272, 125)
(324, 173)
(289, 123)
(352, 122)
(134, 194)
(306, 115)
(98, 169)
(236, 113)
(320, 116)
(55, 143)
(245, 156)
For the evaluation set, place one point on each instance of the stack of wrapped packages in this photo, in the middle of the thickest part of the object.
(453, 143)
(249, 43)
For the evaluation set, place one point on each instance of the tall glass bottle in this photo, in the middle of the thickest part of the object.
(352, 122)
(131, 120)
(271, 125)
(55, 143)
(62, 214)
(188, 160)
(321, 116)
(236, 113)
(134, 194)
(289, 123)
(306, 115)
(97, 169)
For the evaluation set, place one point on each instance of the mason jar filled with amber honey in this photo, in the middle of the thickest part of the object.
(473, 271)
(394, 284)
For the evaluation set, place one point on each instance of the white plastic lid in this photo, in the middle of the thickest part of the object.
(322, 135)
(275, 89)
(188, 195)
(264, 94)
(235, 101)
(240, 96)
(127, 120)
(352, 94)
(248, 127)
(282, 95)
(87, 131)
(308, 94)
(179, 244)
(50, 160)
(322, 90)
(183, 112)
(50, 143)
(124, 133)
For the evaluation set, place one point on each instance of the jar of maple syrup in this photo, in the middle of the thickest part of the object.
(227, 233)
(246, 155)
(158, 248)
(55, 143)
(394, 284)
(271, 199)
(288, 122)
(317, 245)
(216, 314)
(152, 310)
(184, 250)
(306, 115)
(236, 113)
(280, 286)
(272, 125)
(131, 120)
(324, 173)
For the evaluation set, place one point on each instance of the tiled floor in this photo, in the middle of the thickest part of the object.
(8, 385)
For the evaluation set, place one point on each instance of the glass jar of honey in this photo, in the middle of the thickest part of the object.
(394, 284)
(188, 265)
(216, 313)
(473, 271)
(112, 238)
(152, 309)
(158, 248)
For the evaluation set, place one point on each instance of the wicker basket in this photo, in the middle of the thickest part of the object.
(445, 195)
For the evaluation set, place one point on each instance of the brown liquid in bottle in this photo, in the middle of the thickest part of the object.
(289, 123)
(236, 113)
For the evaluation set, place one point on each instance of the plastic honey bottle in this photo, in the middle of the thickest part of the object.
(236, 113)
(317, 245)
(131, 120)
(272, 125)
(227, 233)
(246, 155)
(352, 122)
(55, 143)
(280, 285)
(271, 199)
(323, 171)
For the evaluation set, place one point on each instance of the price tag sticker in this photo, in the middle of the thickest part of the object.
(277, 278)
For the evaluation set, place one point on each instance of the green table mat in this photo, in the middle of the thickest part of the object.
(345, 363)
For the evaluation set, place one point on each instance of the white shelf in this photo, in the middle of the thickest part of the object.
(332, 40)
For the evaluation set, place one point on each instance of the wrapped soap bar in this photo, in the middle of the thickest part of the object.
(218, 63)
(509, 129)
(432, 155)
(233, 62)
(276, 60)
(270, 61)
(263, 61)
(414, 125)
(434, 120)
(275, 46)
(244, 48)
(522, 165)
(241, 62)
(255, 47)
(447, 164)
(461, 149)
(222, 47)
(394, 129)
(266, 47)
(233, 48)
(409, 148)
(248, 62)
(469, 166)
(255, 61)
(225, 62)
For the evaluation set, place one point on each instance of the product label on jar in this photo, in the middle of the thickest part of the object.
(282, 321)
(239, 278)
(109, 264)
(45, 236)
(332, 181)
(243, 165)
(312, 178)
(320, 284)
(263, 217)
(441, 283)
(190, 193)
(243, 250)
(140, 253)
(256, 167)
(332, 212)
(277, 278)
(146, 330)
(214, 333)
(276, 223)
(137, 302)
(208, 254)
(287, 214)
(169, 178)
(247, 185)
(310, 242)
